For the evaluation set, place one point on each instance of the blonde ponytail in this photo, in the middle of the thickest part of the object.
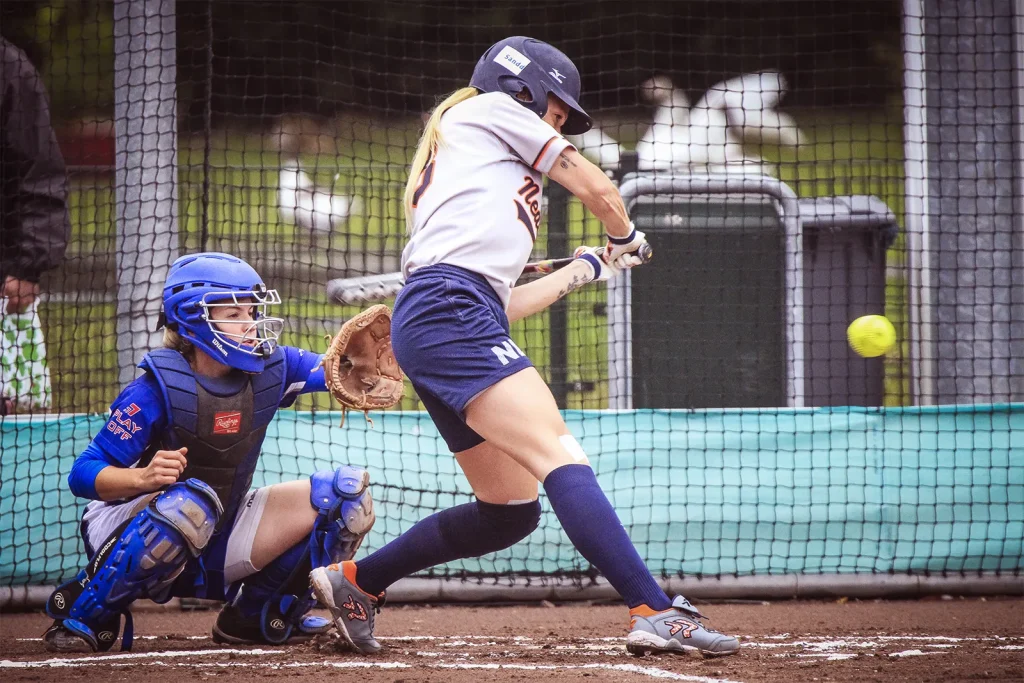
(429, 141)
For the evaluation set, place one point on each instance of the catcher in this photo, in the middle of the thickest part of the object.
(173, 514)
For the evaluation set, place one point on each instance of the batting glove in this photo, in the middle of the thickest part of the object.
(617, 246)
(594, 257)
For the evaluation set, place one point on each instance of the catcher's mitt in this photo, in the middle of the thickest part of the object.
(360, 368)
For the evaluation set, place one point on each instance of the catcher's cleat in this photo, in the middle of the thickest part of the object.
(58, 638)
(352, 608)
(232, 628)
(677, 630)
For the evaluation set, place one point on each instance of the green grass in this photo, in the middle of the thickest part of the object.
(862, 156)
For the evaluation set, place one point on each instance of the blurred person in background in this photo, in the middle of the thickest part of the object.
(34, 221)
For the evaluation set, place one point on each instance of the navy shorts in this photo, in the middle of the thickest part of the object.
(451, 337)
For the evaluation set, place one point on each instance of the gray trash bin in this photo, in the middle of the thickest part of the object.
(844, 243)
(735, 310)
(709, 328)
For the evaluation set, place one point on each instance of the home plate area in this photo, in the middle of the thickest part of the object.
(790, 641)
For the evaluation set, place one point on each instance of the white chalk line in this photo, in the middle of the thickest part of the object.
(121, 656)
(814, 647)
(156, 659)
(166, 637)
(825, 643)
(581, 652)
(827, 656)
(602, 644)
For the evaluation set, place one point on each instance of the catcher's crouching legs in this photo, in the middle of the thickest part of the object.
(272, 604)
(142, 558)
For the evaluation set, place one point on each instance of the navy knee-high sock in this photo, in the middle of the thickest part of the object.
(594, 528)
(272, 579)
(469, 530)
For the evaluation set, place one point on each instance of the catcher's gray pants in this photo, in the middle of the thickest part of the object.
(102, 518)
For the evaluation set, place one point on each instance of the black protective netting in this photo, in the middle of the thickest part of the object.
(796, 165)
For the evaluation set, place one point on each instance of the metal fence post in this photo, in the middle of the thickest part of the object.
(146, 170)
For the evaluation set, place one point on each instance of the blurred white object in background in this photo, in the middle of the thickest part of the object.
(301, 202)
(666, 143)
(598, 147)
(751, 102)
(710, 136)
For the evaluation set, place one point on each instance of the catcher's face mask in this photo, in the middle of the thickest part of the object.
(240, 321)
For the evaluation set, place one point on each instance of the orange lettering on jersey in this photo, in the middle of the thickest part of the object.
(528, 210)
(423, 182)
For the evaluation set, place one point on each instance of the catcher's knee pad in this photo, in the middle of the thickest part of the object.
(141, 559)
(342, 499)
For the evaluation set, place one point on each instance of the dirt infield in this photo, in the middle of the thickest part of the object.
(941, 640)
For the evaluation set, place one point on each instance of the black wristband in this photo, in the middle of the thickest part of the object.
(623, 240)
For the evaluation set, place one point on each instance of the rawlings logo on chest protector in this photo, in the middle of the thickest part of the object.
(227, 422)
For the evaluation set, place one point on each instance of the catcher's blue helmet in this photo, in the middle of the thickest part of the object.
(519, 62)
(199, 282)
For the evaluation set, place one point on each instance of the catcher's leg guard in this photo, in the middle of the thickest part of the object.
(346, 512)
(279, 594)
(141, 559)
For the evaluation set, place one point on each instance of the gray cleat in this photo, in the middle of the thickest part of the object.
(59, 639)
(677, 629)
(353, 610)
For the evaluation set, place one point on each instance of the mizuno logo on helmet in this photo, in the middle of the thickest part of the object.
(556, 74)
(512, 59)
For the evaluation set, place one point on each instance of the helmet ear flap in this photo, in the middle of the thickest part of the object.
(524, 94)
(516, 87)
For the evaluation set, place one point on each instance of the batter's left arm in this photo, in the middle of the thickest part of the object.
(599, 194)
(535, 296)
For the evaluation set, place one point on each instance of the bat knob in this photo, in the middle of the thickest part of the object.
(645, 252)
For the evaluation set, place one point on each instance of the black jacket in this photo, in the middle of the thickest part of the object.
(34, 222)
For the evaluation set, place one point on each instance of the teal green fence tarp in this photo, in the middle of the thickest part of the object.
(745, 492)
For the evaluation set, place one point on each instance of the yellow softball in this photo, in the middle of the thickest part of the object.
(871, 335)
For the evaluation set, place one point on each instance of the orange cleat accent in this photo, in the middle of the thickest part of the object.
(644, 611)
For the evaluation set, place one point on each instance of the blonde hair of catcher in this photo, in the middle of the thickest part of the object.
(429, 141)
(173, 340)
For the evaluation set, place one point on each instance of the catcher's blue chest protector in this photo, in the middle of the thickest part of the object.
(223, 433)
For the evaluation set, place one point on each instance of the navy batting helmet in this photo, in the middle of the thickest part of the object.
(515, 63)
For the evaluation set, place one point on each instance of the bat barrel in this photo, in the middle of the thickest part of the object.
(374, 288)
(368, 289)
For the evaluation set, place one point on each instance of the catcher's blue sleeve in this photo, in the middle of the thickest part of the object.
(135, 417)
(304, 376)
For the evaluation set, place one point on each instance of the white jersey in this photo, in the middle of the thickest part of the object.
(477, 205)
